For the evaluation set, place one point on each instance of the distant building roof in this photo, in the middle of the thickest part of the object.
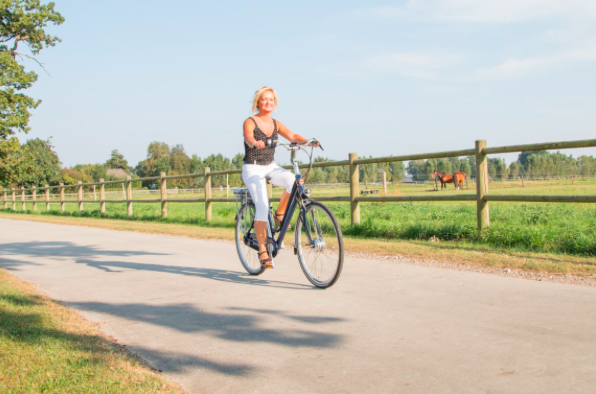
(117, 173)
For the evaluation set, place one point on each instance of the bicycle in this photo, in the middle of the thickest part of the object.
(318, 241)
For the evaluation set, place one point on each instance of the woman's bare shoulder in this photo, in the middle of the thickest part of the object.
(248, 124)
(280, 124)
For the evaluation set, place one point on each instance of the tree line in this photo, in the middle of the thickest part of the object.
(36, 163)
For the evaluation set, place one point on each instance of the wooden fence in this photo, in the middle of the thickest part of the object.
(482, 196)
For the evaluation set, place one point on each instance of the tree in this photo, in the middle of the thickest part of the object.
(514, 170)
(156, 149)
(10, 161)
(444, 166)
(464, 166)
(369, 173)
(117, 160)
(95, 172)
(397, 170)
(44, 166)
(161, 165)
(21, 22)
(497, 168)
(31, 164)
(179, 160)
(522, 158)
(472, 163)
(416, 169)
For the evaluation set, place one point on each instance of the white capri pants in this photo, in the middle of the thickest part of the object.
(255, 176)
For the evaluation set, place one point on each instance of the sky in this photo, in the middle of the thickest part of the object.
(378, 78)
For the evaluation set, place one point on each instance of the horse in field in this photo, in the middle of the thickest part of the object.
(444, 178)
(459, 178)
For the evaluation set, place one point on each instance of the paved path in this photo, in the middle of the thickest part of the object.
(187, 307)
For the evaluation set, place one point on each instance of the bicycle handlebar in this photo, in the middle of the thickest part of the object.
(295, 145)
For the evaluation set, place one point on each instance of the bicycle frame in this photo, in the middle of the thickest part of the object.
(297, 196)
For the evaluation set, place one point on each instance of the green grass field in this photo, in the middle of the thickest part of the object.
(552, 227)
(47, 348)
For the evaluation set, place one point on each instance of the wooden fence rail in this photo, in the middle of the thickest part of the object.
(482, 196)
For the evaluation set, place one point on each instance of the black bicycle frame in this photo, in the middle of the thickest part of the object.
(297, 190)
(295, 196)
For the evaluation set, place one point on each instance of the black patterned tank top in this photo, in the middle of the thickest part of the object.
(260, 156)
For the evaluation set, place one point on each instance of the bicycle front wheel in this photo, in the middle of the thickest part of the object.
(319, 245)
(244, 237)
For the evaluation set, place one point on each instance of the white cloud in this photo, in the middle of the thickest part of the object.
(491, 10)
(518, 67)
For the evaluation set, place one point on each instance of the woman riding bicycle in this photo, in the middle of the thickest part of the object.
(260, 131)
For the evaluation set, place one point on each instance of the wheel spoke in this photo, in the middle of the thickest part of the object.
(248, 256)
(322, 259)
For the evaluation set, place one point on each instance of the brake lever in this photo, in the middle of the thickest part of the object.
(317, 143)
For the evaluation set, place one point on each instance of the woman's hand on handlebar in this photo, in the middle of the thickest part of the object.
(259, 144)
(316, 143)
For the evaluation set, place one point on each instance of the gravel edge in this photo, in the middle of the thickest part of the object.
(507, 272)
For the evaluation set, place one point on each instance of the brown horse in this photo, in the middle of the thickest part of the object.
(444, 178)
(460, 177)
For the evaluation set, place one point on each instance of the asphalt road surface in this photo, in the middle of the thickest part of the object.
(190, 310)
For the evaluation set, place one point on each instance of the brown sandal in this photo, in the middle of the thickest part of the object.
(267, 263)
(278, 218)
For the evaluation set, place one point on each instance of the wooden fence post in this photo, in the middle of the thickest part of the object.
(207, 194)
(62, 204)
(102, 196)
(5, 199)
(482, 215)
(80, 192)
(14, 200)
(269, 190)
(163, 189)
(23, 198)
(128, 195)
(47, 198)
(354, 189)
(34, 198)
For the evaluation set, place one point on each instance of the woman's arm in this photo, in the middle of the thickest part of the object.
(249, 135)
(287, 134)
(292, 137)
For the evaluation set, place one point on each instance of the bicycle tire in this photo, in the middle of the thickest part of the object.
(321, 257)
(248, 256)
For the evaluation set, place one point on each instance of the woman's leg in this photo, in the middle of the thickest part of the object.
(254, 178)
(261, 232)
(282, 177)
(283, 203)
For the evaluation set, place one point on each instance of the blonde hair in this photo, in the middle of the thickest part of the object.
(258, 95)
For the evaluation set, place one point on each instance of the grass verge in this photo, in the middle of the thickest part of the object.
(48, 348)
(461, 253)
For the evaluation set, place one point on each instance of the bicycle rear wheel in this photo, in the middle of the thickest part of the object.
(319, 245)
(248, 256)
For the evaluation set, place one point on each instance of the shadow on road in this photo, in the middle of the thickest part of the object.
(12, 264)
(180, 362)
(65, 249)
(241, 325)
(207, 273)
(88, 255)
